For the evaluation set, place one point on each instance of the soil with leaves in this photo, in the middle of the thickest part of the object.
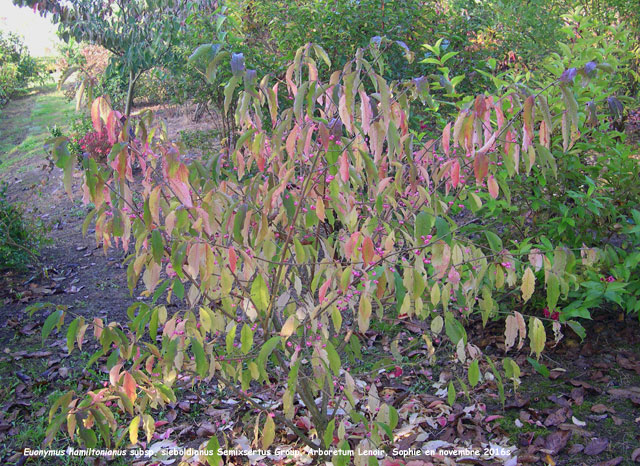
(581, 407)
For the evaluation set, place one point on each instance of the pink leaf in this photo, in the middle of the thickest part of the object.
(446, 138)
(492, 184)
(344, 167)
(455, 173)
(323, 290)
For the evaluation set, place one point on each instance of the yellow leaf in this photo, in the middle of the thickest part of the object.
(289, 327)
(320, 209)
(364, 314)
(528, 284)
(537, 335)
(133, 430)
(268, 433)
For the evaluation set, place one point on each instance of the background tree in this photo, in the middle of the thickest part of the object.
(139, 33)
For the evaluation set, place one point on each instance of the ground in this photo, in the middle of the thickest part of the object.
(586, 412)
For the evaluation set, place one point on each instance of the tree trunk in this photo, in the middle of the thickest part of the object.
(132, 85)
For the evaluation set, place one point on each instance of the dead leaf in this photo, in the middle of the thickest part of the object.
(587, 386)
(575, 449)
(600, 408)
(635, 456)
(628, 364)
(613, 462)
(578, 395)
(206, 429)
(557, 417)
(559, 401)
(556, 441)
(596, 446)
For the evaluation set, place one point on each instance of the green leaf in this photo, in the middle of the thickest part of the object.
(423, 225)
(230, 338)
(334, 358)
(201, 358)
(157, 246)
(246, 339)
(260, 293)
(494, 241)
(474, 373)
(53, 319)
(265, 352)
(454, 329)
(451, 394)
(578, 328)
(71, 333)
(540, 368)
(553, 290)
(178, 288)
(328, 433)
(213, 445)
(238, 223)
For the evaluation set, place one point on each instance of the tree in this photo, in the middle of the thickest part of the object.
(139, 33)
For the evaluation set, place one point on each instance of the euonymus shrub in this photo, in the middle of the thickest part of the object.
(326, 215)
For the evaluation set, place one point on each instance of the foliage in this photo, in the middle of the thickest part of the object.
(139, 33)
(19, 239)
(88, 63)
(277, 29)
(18, 69)
(327, 214)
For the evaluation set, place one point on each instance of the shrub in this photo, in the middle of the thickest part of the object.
(325, 216)
(18, 69)
(19, 239)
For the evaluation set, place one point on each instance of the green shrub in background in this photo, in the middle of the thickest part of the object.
(18, 69)
(19, 239)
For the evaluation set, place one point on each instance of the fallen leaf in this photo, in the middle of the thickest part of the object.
(596, 446)
(635, 456)
(587, 386)
(556, 441)
(612, 462)
(600, 408)
(575, 449)
(556, 417)
(578, 422)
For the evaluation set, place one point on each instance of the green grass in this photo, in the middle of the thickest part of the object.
(28, 122)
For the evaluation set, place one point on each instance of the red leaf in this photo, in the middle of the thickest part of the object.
(480, 167)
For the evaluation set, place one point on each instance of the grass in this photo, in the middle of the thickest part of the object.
(21, 142)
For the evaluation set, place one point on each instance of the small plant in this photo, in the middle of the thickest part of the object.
(18, 239)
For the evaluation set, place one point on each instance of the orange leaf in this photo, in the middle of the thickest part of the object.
(367, 250)
(130, 386)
